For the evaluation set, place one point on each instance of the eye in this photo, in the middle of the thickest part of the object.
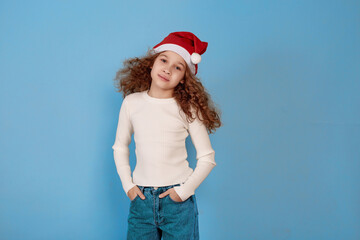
(178, 68)
(163, 60)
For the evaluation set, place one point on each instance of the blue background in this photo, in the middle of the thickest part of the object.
(285, 74)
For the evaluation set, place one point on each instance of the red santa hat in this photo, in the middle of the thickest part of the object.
(186, 44)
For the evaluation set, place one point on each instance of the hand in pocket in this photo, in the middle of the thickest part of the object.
(133, 192)
(172, 194)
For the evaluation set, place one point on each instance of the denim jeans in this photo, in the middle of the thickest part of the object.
(162, 218)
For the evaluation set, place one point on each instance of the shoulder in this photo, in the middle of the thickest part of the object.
(194, 123)
(133, 97)
(132, 102)
(196, 114)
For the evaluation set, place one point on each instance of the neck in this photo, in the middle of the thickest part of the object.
(160, 93)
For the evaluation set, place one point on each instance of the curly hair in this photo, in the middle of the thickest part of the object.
(191, 95)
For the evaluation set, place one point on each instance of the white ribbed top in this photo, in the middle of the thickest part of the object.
(160, 130)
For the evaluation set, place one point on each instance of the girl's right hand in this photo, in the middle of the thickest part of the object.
(133, 192)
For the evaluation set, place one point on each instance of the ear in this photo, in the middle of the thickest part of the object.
(183, 80)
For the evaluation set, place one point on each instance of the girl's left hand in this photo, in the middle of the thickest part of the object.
(173, 195)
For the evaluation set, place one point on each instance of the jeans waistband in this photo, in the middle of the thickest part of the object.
(163, 188)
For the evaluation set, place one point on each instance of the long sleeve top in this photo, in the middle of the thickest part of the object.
(160, 129)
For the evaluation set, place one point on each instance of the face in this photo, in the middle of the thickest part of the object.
(167, 71)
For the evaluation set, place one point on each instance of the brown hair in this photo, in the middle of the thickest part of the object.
(135, 76)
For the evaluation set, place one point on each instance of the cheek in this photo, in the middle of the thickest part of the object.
(154, 68)
(152, 72)
(182, 75)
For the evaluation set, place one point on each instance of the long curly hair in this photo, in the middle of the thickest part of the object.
(190, 95)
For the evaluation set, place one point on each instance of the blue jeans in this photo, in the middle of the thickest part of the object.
(162, 218)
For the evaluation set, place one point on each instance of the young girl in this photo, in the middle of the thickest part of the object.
(163, 103)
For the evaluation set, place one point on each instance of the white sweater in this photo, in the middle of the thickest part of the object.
(160, 129)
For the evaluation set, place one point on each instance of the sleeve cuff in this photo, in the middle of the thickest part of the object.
(183, 194)
(128, 187)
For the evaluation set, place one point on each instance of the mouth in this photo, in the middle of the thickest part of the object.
(163, 78)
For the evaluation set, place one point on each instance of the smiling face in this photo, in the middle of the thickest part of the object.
(167, 71)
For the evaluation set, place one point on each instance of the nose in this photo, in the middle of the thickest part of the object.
(166, 71)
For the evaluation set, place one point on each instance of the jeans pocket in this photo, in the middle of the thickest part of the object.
(172, 200)
(137, 196)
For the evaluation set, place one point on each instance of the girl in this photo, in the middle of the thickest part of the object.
(163, 103)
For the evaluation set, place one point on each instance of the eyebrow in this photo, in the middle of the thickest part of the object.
(162, 54)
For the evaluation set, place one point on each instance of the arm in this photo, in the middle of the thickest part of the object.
(205, 156)
(121, 148)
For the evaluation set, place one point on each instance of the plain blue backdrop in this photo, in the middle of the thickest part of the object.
(285, 74)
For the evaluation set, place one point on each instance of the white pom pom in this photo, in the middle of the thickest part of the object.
(195, 58)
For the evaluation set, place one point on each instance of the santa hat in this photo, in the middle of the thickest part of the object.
(186, 44)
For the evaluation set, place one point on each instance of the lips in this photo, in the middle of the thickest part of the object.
(163, 78)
